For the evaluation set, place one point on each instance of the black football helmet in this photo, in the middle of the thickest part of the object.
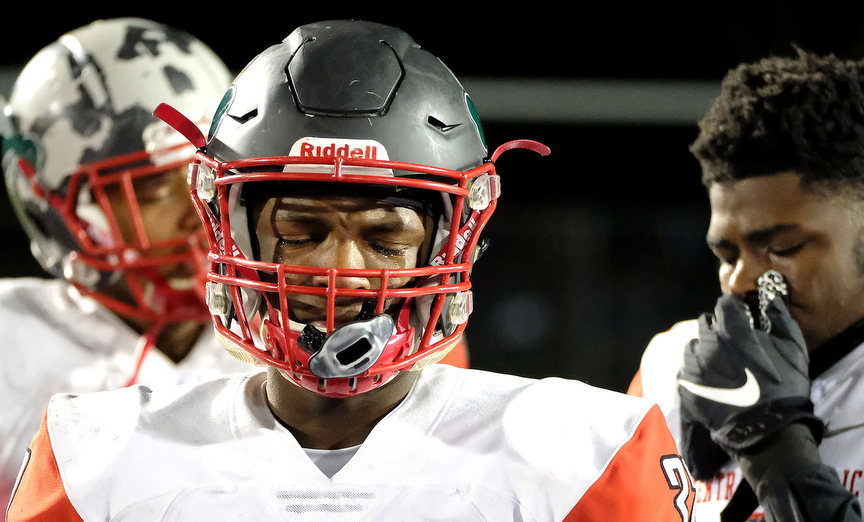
(344, 104)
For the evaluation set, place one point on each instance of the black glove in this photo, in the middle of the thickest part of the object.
(791, 482)
(703, 456)
(742, 381)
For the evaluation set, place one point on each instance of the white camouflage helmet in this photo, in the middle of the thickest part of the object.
(78, 120)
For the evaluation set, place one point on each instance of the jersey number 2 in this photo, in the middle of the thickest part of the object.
(679, 479)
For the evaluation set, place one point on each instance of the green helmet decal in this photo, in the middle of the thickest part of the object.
(224, 103)
(18, 146)
(13, 147)
(473, 111)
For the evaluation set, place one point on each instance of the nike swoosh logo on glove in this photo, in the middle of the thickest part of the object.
(745, 395)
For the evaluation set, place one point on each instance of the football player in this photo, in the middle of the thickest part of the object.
(764, 394)
(100, 189)
(344, 189)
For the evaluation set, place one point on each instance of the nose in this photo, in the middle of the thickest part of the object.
(342, 254)
(740, 278)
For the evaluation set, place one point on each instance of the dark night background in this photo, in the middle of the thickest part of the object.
(596, 247)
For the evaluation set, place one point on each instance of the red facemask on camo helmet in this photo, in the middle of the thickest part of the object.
(79, 126)
(344, 105)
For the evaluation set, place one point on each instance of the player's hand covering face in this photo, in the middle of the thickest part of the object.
(744, 378)
(338, 232)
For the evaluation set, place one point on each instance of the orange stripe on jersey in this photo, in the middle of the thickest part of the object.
(40, 494)
(646, 480)
(636, 384)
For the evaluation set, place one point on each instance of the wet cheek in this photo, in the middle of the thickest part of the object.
(398, 262)
(293, 278)
(801, 280)
(267, 250)
(282, 256)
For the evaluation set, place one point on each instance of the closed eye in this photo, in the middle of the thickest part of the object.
(284, 241)
(386, 251)
(787, 252)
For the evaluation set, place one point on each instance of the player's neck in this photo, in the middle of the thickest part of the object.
(177, 339)
(174, 339)
(319, 422)
(830, 352)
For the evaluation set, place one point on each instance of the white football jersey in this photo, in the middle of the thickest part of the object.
(55, 340)
(463, 445)
(837, 395)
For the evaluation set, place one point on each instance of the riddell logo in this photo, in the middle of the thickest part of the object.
(461, 239)
(332, 148)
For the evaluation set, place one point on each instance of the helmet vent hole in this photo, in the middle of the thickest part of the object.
(246, 117)
(440, 125)
(351, 356)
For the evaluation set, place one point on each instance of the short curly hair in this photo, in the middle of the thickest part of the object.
(803, 114)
